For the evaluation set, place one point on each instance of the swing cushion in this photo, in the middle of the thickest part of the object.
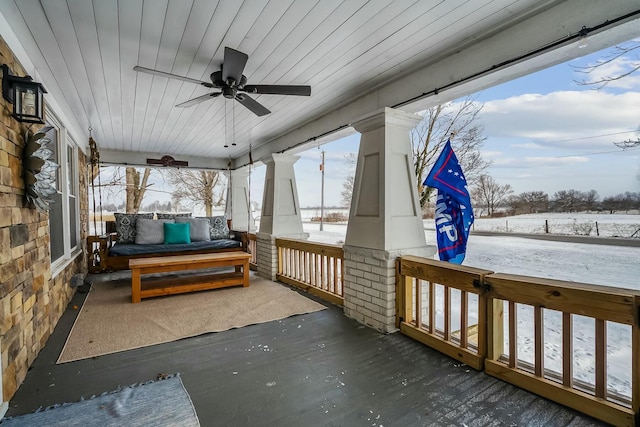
(219, 229)
(130, 250)
(198, 228)
(126, 226)
(176, 234)
(150, 231)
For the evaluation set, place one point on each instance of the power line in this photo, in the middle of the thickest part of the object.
(601, 152)
(591, 137)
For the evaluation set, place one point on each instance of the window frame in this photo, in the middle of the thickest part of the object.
(68, 186)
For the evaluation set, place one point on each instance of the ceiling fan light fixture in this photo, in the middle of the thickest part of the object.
(229, 92)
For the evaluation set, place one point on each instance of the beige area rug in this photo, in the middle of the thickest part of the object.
(108, 322)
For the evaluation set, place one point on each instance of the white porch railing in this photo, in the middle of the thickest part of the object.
(315, 267)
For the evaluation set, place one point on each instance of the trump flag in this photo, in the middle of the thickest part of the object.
(454, 214)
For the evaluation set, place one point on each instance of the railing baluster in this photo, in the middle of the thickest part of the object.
(464, 328)
(513, 335)
(322, 271)
(418, 303)
(538, 341)
(447, 313)
(334, 289)
(567, 350)
(601, 358)
(432, 308)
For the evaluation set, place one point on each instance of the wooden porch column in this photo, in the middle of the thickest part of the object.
(280, 215)
(237, 207)
(385, 220)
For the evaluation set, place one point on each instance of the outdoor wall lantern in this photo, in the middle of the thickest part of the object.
(25, 95)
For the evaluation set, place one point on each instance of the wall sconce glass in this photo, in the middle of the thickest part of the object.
(25, 95)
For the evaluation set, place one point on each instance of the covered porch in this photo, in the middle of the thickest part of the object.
(370, 74)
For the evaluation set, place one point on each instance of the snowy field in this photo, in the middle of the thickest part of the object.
(606, 265)
(579, 224)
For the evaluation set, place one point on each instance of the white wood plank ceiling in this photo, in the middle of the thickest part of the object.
(85, 52)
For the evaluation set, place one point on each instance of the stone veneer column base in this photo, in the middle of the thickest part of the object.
(267, 256)
(370, 284)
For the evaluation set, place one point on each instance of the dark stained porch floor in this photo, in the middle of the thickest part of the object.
(308, 370)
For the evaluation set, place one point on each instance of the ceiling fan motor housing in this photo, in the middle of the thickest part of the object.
(230, 80)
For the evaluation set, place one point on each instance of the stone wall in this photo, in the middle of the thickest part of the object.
(31, 300)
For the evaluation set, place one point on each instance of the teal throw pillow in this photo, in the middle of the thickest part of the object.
(176, 233)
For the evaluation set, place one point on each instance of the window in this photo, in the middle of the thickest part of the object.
(64, 226)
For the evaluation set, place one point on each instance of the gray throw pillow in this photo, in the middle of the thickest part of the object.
(126, 226)
(150, 231)
(199, 228)
(219, 227)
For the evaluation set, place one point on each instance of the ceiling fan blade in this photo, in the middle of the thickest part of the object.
(251, 104)
(199, 99)
(279, 89)
(233, 65)
(171, 76)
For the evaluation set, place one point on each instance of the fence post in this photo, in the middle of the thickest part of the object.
(546, 226)
(506, 225)
(597, 231)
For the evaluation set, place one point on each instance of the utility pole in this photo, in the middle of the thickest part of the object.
(322, 194)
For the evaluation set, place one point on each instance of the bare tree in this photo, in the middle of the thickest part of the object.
(574, 200)
(488, 193)
(347, 185)
(136, 188)
(529, 202)
(196, 186)
(429, 137)
(628, 52)
(621, 202)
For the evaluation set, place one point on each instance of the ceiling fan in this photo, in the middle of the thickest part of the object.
(233, 84)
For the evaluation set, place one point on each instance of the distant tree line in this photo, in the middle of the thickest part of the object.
(570, 201)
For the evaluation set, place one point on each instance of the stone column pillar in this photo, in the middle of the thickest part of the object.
(237, 207)
(280, 215)
(385, 220)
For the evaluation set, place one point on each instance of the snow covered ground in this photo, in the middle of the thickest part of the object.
(616, 266)
(579, 224)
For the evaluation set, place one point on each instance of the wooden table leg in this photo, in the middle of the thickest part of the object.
(135, 285)
(245, 272)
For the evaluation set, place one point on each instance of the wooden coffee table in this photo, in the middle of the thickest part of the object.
(191, 283)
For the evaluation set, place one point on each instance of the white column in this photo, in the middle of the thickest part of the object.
(280, 216)
(238, 204)
(385, 220)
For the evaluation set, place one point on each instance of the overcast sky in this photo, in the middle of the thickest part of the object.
(544, 132)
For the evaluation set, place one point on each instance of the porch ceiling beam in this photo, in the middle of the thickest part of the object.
(129, 158)
(558, 21)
